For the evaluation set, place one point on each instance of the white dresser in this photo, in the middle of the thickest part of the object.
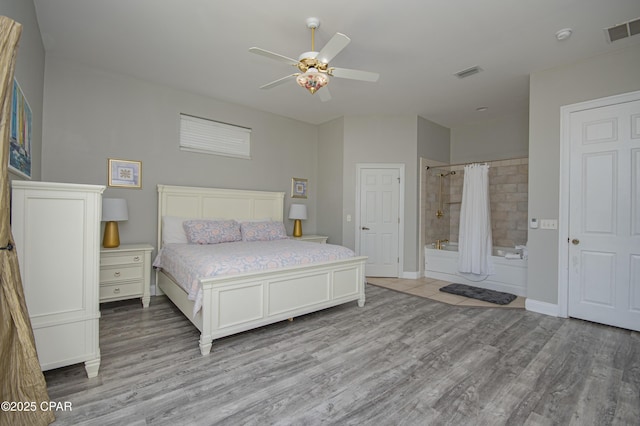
(56, 227)
(125, 273)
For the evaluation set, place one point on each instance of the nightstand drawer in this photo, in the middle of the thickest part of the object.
(114, 291)
(122, 259)
(120, 273)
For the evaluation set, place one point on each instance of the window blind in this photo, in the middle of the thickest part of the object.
(212, 137)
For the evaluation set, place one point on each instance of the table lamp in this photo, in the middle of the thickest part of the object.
(114, 210)
(298, 212)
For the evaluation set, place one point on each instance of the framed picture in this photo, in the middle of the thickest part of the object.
(20, 134)
(298, 188)
(125, 173)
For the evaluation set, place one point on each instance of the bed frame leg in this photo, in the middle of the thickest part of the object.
(205, 345)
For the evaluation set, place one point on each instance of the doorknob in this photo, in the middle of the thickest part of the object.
(364, 228)
(575, 241)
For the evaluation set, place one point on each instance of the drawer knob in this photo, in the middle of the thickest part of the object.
(136, 258)
(116, 290)
(116, 274)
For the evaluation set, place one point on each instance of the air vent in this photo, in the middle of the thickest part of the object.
(627, 29)
(634, 27)
(468, 72)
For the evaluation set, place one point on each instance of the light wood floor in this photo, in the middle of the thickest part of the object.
(430, 288)
(400, 360)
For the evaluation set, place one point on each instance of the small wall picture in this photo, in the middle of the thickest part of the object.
(20, 134)
(298, 188)
(125, 173)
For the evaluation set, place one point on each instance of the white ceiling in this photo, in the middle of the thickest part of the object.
(201, 46)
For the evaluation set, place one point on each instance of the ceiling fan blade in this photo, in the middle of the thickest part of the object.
(324, 94)
(338, 42)
(278, 81)
(272, 55)
(354, 74)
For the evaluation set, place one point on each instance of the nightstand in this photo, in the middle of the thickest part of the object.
(312, 238)
(125, 273)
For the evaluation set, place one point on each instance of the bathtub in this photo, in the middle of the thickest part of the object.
(510, 274)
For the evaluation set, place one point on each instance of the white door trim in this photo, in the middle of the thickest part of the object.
(565, 158)
(400, 168)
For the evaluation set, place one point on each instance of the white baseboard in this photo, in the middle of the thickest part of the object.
(541, 307)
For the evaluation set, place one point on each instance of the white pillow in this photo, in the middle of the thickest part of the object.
(172, 230)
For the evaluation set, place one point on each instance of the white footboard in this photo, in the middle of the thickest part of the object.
(238, 303)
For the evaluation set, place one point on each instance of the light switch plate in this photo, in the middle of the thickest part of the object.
(548, 224)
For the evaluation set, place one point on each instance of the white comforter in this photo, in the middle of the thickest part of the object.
(188, 264)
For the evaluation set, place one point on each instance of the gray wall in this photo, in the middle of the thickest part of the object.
(597, 77)
(29, 72)
(491, 139)
(92, 115)
(434, 141)
(345, 142)
(382, 139)
(330, 173)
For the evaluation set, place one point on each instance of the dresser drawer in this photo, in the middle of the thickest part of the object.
(116, 291)
(121, 259)
(120, 273)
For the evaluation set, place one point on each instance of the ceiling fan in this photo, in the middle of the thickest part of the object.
(314, 66)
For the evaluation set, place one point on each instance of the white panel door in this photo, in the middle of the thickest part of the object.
(380, 221)
(604, 208)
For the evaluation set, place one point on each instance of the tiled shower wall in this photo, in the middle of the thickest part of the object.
(508, 192)
(433, 200)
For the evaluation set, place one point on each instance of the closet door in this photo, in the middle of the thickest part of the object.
(379, 219)
(604, 248)
(56, 228)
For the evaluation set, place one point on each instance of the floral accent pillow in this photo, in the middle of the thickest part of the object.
(263, 231)
(212, 231)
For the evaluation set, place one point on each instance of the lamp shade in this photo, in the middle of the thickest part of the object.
(114, 209)
(298, 211)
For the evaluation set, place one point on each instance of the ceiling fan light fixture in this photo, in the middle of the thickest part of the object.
(312, 80)
(314, 65)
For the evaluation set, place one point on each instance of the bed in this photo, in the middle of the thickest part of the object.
(242, 301)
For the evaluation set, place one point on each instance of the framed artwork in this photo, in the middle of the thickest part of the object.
(20, 133)
(125, 173)
(298, 188)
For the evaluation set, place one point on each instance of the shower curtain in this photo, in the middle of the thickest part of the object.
(474, 240)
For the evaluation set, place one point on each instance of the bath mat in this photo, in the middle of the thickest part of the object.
(491, 296)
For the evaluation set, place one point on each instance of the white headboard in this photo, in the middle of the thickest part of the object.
(197, 202)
